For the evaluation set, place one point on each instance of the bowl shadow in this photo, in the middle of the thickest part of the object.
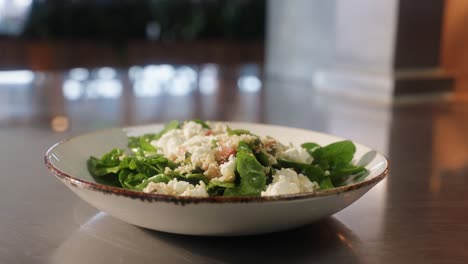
(327, 240)
(104, 239)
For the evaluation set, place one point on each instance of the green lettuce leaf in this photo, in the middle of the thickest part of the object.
(202, 123)
(107, 164)
(251, 174)
(310, 147)
(335, 155)
(156, 179)
(130, 179)
(217, 188)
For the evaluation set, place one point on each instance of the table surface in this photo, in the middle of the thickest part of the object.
(418, 214)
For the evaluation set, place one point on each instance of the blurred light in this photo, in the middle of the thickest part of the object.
(180, 87)
(153, 30)
(23, 3)
(79, 74)
(110, 88)
(72, 89)
(249, 84)
(102, 84)
(208, 81)
(135, 73)
(187, 72)
(102, 88)
(13, 15)
(184, 81)
(152, 80)
(20, 77)
(208, 85)
(162, 72)
(145, 88)
(344, 240)
(59, 123)
(106, 73)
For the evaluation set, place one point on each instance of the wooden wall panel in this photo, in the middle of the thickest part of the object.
(454, 53)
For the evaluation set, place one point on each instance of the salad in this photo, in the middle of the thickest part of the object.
(202, 158)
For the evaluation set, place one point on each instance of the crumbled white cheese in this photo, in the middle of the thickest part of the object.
(168, 145)
(233, 140)
(203, 156)
(159, 188)
(212, 171)
(297, 154)
(191, 129)
(175, 187)
(217, 127)
(228, 170)
(199, 191)
(287, 181)
(185, 168)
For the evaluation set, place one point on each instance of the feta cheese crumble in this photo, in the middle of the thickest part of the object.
(297, 154)
(287, 181)
(175, 187)
(228, 170)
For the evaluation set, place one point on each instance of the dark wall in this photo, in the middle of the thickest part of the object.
(419, 33)
(167, 19)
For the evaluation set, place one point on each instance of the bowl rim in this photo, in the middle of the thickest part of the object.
(151, 197)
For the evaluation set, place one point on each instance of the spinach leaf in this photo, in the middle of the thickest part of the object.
(243, 146)
(202, 123)
(96, 168)
(129, 179)
(237, 131)
(262, 157)
(156, 179)
(143, 167)
(195, 178)
(111, 158)
(361, 176)
(145, 145)
(107, 164)
(310, 147)
(269, 176)
(347, 170)
(340, 176)
(326, 183)
(109, 179)
(251, 174)
(158, 161)
(217, 188)
(313, 172)
(335, 155)
(142, 144)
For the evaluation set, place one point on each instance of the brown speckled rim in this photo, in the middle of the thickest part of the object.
(106, 189)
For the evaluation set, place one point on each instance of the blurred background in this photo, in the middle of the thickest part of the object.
(324, 65)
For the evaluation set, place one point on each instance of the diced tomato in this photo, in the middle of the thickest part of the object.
(224, 153)
(209, 133)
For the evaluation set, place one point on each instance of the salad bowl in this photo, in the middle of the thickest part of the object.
(208, 216)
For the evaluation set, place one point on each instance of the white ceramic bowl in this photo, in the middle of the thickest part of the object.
(214, 216)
